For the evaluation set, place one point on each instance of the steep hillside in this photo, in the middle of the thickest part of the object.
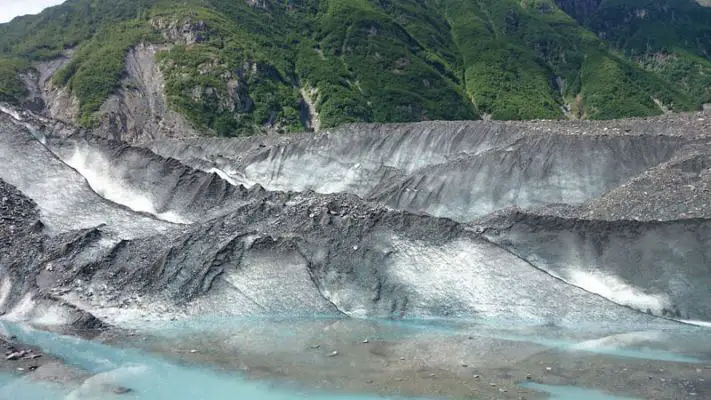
(243, 67)
(669, 38)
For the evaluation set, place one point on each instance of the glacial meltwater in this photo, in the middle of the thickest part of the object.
(130, 374)
(571, 393)
(332, 358)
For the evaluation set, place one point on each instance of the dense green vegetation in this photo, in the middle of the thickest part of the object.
(670, 38)
(240, 69)
(11, 87)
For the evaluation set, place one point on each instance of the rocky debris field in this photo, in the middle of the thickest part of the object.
(18, 213)
(20, 358)
(677, 189)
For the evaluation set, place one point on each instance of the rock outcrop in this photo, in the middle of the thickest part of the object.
(139, 111)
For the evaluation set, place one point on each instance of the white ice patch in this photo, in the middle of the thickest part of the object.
(618, 291)
(620, 341)
(234, 178)
(222, 174)
(100, 386)
(11, 113)
(97, 173)
(28, 310)
(5, 291)
(22, 310)
(704, 324)
(53, 315)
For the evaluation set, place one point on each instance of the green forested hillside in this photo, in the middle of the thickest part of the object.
(250, 63)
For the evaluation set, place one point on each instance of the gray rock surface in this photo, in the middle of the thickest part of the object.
(139, 112)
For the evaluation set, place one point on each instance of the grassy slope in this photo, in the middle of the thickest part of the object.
(375, 60)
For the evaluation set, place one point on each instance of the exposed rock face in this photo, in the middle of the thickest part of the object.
(44, 97)
(181, 32)
(139, 112)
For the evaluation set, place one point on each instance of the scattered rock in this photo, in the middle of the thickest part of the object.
(121, 390)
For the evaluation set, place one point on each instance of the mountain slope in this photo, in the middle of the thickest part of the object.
(233, 67)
